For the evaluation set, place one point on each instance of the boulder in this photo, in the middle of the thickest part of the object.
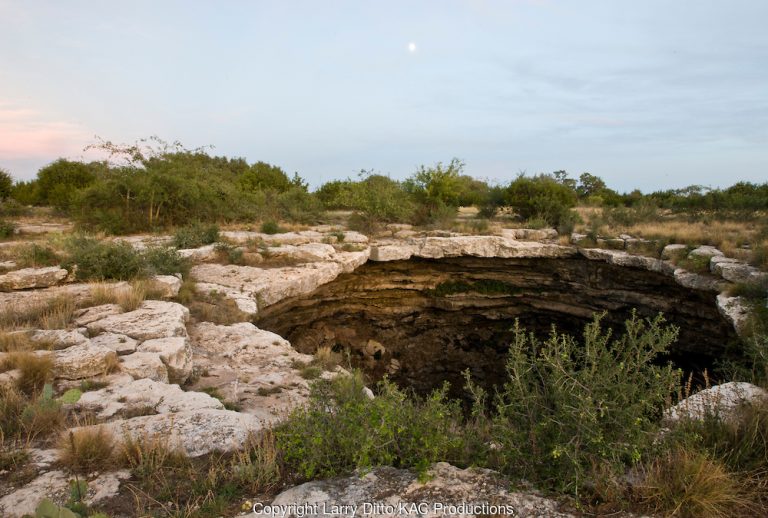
(83, 317)
(27, 278)
(175, 353)
(153, 319)
(24, 501)
(121, 344)
(195, 432)
(448, 491)
(204, 253)
(735, 310)
(161, 397)
(167, 286)
(144, 365)
(674, 251)
(705, 251)
(59, 338)
(721, 401)
(84, 360)
(696, 281)
(308, 253)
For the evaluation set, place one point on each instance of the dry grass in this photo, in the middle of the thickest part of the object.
(18, 342)
(87, 449)
(25, 419)
(257, 467)
(327, 358)
(51, 314)
(687, 483)
(34, 370)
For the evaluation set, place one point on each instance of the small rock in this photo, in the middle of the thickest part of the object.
(674, 251)
(167, 286)
(175, 353)
(144, 365)
(153, 319)
(59, 338)
(83, 361)
(721, 401)
(705, 251)
(27, 278)
(121, 344)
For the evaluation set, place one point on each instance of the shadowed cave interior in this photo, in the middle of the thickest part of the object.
(423, 322)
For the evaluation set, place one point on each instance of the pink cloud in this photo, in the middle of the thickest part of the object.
(26, 133)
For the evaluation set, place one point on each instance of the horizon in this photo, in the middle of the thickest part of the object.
(650, 96)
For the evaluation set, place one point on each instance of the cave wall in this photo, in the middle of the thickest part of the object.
(424, 321)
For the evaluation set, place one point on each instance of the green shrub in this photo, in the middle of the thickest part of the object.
(195, 235)
(37, 255)
(342, 429)
(101, 260)
(299, 206)
(6, 229)
(541, 196)
(270, 227)
(165, 261)
(569, 408)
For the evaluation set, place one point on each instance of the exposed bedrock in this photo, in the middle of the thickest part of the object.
(424, 321)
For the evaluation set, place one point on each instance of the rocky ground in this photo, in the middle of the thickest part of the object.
(159, 370)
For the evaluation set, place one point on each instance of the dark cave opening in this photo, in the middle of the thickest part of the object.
(423, 322)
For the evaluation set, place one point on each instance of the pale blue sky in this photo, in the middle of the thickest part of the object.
(652, 94)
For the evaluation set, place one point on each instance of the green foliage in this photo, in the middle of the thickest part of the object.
(101, 260)
(6, 229)
(58, 183)
(298, 205)
(342, 429)
(71, 396)
(541, 196)
(568, 408)
(25, 193)
(164, 261)
(262, 176)
(195, 235)
(47, 509)
(270, 227)
(34, 255)
(6, 184)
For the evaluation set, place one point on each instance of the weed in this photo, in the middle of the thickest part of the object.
(87, 449)
(195, 235)
(34, 372)
(270, 227)
(327, 358)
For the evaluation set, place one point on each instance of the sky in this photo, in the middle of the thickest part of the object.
(653, 95)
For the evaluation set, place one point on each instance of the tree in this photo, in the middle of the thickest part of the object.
(541, 196)
(6, 184)
(437, 185)
(59, 181)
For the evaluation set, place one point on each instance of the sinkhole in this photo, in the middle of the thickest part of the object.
(423, 322)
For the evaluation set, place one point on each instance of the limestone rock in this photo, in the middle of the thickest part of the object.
(577, 238)
(736, 271)
(83, 317)
(735, 310)
(529, 234)
(164, 398)
(446, 486)
(84, 360)
(721, 400)
(54, 485)
(674, 251)
(392, 252)
(27, 278)
(59, 338)
(144, 365)
(106, 486)
(204, 253)
(121, 344)
(168, 286)
(705, 251)
(175, 353)
(196, 432)
(696, 281)
(153, 319)
(307, 253)
(351, 236)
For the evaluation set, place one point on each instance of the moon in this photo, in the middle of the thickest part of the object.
(411, 47)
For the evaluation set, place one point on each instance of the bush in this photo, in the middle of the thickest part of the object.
(96, 260)
(6, 229)
(569, 408)
(298, 205)
(35, 255)
(195, 235)
(270, 227)
(342, 429)
(87, 449)
(165, 261)
(541, 196)
(6, 184)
